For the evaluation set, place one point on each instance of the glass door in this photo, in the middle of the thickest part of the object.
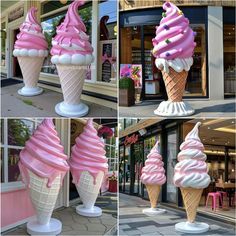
(171, 195)
(126, 187)
(154, 86)
(138, 164)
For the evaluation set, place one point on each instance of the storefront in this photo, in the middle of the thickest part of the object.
(212, 75)
(101, 23)
(16, 204)
(218, 137)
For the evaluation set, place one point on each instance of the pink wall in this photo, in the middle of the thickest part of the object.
(16, 206)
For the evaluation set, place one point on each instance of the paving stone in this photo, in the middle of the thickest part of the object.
(124, 226)
(148, 229)
(96, 227)
(133, 232)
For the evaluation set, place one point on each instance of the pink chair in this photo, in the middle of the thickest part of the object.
(223, 195)
(215, 197)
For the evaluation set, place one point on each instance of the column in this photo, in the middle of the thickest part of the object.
(215, 53)
(95, 26)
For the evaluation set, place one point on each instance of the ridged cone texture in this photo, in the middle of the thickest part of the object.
(72, 81)
(153, 193)
(88, 191)
(191, 198)
(175, 84)
(42, 197)
(30, 68)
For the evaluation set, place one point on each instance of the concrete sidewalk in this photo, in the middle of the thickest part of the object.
(14, 105)
(133, 222)
(215, 108)
(74, 224)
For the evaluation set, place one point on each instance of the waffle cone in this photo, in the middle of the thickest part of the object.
(72, 81)
(30, 68)
(175, 84)
(42, 197)
(153, 193)
(191, 198)
(88, 191)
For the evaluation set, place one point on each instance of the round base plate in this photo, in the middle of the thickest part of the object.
(168, 108)
(54, 227)
(153, 211)
(192, 228)
(93, 212)
(67, 110)
(28, 92)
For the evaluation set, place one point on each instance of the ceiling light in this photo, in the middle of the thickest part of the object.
(232, 122)
(226, 130)
(208, 127)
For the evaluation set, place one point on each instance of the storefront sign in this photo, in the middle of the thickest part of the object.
(106, 62)
(16, 13)
(130, 140)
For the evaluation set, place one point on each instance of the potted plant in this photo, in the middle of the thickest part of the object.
(126, 92)
(112, 183)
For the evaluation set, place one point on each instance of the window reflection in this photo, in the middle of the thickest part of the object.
(13, 169)
(3, 44)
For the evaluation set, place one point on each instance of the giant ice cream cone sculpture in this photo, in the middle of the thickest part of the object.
(72, 54)
(191, 177)
(173, 48)
(30, 49)
(43, 166)
(88, 166)
(153, 176)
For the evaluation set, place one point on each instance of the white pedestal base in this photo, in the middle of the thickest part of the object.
(168, 108)
(54, 227)
(28, 92)
(67, 110)
(93, 212)
(154, 211)
(192, 228)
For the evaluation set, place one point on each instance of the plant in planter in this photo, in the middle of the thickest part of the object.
(126, 92)
(113, 183)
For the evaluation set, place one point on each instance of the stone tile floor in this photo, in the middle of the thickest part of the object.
(74, 224)
(14, 105)
(206, 108)
(133, 222)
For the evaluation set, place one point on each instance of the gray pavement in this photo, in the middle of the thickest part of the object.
(133, 222)
(14, 105)
(74, 224)
(206, 108)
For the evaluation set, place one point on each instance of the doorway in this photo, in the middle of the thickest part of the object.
(16, 67)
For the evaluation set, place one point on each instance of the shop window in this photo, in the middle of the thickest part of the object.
(53, 5)
(137, 50)
(107, 44)
(171, 195)
(15, 132)
(229, 58)
(111, 153)
(49, 25)
(3, 44)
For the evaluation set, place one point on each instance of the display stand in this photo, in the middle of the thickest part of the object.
(28, 92)
(92, 212)
(154, 211)
(77, 110)
(54, 227)
(192, 228)
(168, 108)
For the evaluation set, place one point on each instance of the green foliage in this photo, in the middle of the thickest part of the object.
(18, 132)
(126, 83)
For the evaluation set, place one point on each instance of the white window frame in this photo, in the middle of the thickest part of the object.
(112, 164)
(16, 185)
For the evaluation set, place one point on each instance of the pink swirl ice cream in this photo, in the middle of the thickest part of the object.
(31, 41)
(43, 154)
(88, 154)
(71, 44)
(191, 170)
(153, 172)
(174, 42)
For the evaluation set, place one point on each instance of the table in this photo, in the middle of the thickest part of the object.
(229, 187)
